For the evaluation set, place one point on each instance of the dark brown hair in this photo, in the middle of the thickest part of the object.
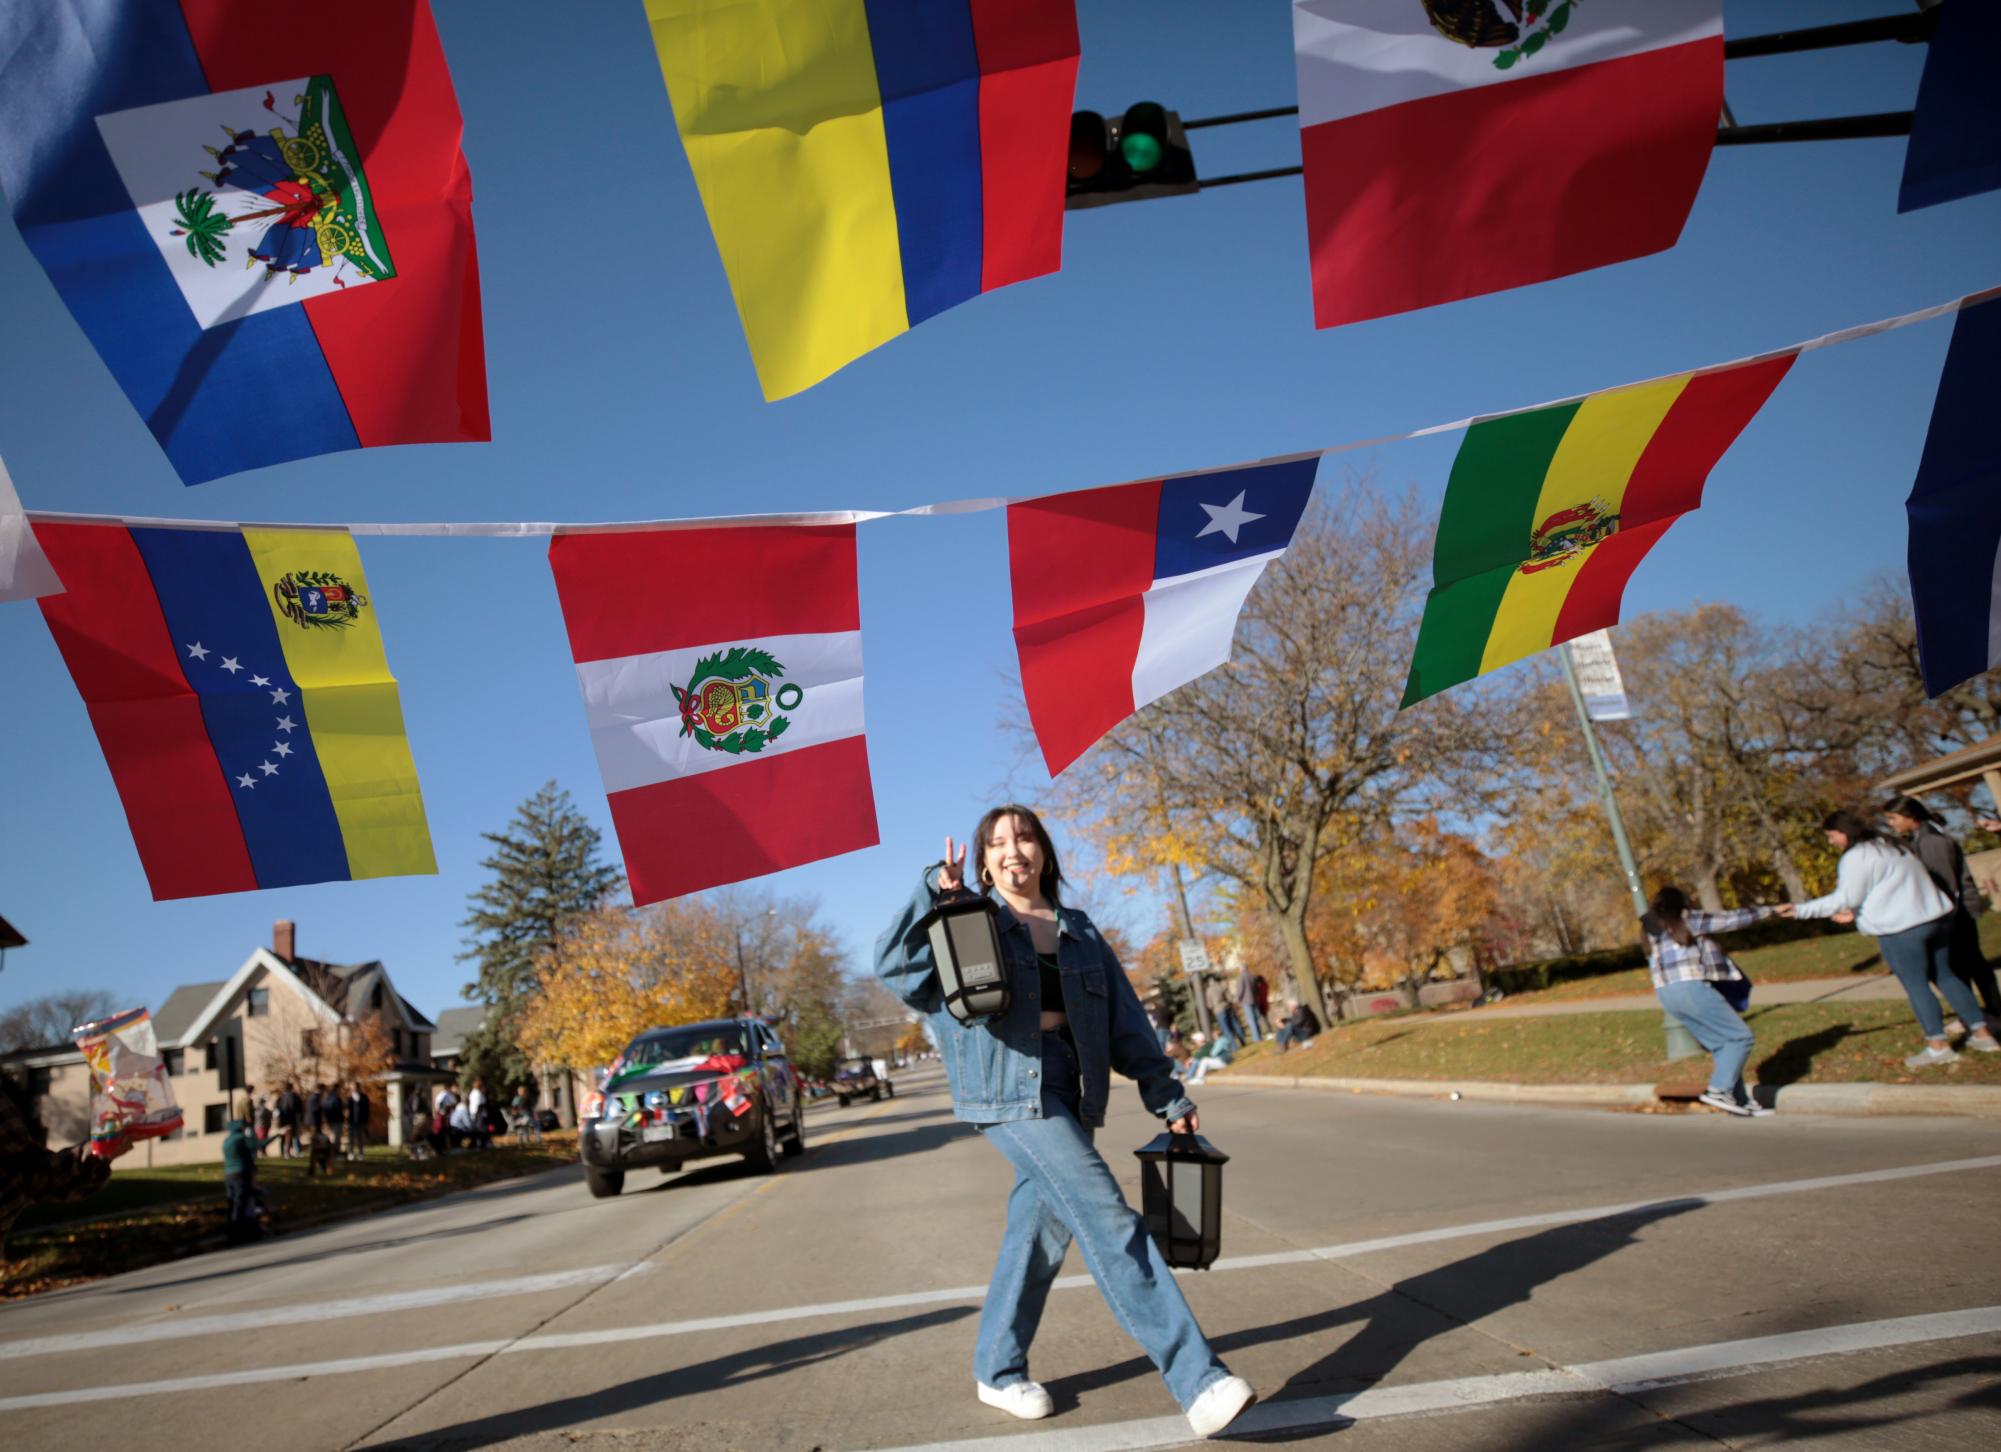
(1052, 870)
(1668, 906)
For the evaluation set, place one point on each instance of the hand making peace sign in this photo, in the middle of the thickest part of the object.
(952, 871)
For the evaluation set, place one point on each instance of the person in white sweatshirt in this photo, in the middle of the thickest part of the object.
(1883, 888)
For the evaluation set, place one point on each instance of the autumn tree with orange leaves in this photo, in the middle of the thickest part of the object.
(619, 971)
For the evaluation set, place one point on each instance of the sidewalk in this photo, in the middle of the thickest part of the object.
(1980, 1101)
(1857, 988)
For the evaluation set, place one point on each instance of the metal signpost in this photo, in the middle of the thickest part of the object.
(1604, 673)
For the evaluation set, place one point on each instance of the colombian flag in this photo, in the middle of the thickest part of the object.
(259, 214)
(867, 164)
(1549, 511)
(237, 684)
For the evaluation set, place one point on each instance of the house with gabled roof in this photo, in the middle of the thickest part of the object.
(295, 1018)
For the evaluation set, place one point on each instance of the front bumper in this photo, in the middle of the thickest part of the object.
(665, 1137)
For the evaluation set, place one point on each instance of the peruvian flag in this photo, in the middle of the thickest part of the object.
(1460, 147)
(1125, 592)
(721, 668)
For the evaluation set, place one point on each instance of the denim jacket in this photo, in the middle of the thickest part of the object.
(995, 1064)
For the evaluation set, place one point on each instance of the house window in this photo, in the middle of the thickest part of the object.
(309, 1043)
(211, 1119)
(375, 998)
(40, 1082)
(420, 1046)
(175, 1060)
(258, 1003)
(215, 1052)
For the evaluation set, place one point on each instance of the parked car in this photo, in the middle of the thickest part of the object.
(854, 1078)
(692, 1092)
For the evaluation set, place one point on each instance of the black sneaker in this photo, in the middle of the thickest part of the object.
(1718, 1099)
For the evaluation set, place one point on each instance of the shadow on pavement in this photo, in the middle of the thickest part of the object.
(1803, 1417)
(1415, 1309)
(753, 1364)
(857, 1151)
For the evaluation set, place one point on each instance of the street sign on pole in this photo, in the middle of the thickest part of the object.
(1598, 677)
(1194, 956)
(1195, 963)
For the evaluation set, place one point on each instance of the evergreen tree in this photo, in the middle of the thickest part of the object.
(547, 873)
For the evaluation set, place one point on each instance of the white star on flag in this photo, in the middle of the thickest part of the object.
(280, 695)
(260, 680)
(229, 664)
(246, 780)
(285, 723)
(267, 768)
(1227, 519)
(282, 748)
(198, 651)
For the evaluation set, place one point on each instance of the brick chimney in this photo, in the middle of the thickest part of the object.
(283, 935)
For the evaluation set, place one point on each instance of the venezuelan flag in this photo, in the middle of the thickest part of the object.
(1549, 511)
(237, 684)
(867, 164)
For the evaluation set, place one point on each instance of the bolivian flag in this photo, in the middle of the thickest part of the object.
(1548, 512)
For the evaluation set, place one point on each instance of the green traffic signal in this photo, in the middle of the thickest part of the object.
(1143, 136)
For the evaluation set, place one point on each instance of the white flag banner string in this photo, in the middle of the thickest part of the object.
(542, 529)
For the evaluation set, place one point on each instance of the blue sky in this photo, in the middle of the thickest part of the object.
(1178, 336)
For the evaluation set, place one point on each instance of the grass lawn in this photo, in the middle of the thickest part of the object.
(1840, 956)
(1798, 1043)
(145, 1216)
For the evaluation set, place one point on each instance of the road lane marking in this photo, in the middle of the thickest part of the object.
(562, 1341)
(1625, 1376)
(387, 1303)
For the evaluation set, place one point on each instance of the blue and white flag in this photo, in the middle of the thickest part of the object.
(1955, 511)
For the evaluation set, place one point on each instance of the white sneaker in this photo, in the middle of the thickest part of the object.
(1725, 1101)
(1025, 1399)
(1982, 1043)
(1219, 1405)
(1929, 1055)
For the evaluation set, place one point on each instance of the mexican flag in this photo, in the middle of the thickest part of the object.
(721, 669)
(1460, 147)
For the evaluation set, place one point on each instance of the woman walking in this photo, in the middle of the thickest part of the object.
(1946, 862)
(1035, 1082)
(1883, 889)
(1692, 974)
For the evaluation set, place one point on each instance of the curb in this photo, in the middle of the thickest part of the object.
(1982, 1101)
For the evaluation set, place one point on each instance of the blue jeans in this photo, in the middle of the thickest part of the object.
(1919, 954)
(1715, 1026)
(1063, 1190)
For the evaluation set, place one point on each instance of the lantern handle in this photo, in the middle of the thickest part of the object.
(1186, 1143)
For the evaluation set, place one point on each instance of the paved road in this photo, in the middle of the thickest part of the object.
(1408, 1275)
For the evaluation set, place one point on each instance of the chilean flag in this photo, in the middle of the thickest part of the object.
(260, 216)
(1123, 593)
(721, 668)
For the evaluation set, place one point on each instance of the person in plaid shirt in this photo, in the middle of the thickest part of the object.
(1700, 986)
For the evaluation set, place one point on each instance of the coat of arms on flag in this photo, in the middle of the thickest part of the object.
(278, 212)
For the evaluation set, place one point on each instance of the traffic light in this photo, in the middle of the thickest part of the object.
(1143, 153)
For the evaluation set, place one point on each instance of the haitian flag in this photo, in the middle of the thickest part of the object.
(1460, 147)
(721, 669)
(1125, 592)
(237, 684)
(259, 215)
(1955, 511)
(867, 164)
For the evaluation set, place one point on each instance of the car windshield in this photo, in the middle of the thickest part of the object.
(689, 1043)
(855, 1067)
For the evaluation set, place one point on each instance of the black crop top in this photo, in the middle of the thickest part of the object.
(1052, 982)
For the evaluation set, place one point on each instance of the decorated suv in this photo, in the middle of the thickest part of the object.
(722, 1087)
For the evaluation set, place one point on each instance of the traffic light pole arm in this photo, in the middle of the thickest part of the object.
(1826, 128)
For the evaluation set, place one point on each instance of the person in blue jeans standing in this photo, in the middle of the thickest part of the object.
(1696, 982)
(1035, 1081)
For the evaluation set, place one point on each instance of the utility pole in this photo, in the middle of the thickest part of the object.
(1680, 1043)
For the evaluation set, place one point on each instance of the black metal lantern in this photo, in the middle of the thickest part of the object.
(965, 943)
(1181, 1195)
